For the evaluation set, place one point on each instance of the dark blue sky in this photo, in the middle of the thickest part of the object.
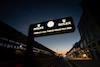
(19, 14)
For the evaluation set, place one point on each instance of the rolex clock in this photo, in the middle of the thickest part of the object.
(50, 24)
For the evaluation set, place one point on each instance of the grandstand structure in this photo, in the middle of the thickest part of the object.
(13, 44)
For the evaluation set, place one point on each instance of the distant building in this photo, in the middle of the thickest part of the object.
(89, 28)
(75, 51)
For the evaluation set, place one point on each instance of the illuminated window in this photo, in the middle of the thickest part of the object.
(94, 30)
(20, 46)
(14, 47)
(17, 47)
(8, 46)
(5, 45)
(11, 46)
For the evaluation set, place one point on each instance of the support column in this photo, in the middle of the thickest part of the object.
(29, 58)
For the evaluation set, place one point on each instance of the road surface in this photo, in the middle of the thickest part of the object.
(64, 63)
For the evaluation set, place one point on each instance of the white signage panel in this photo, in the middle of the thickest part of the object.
(52, 27)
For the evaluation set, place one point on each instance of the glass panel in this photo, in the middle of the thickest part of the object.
(17, 47)
(97, 54)
(87, 17)
(89, 46)
(90, 35)
(93, 44)
(17, 42)
(8, 46)
(24, 48)
(86, 37)
(4, 38)
(80, 31)
(11, 46)
(92, 54)
(4, 45)
(84, 22)
(23, 45)
(94, 30)
(14, 47)
(82, 27)
(98, 41)
(11, 41)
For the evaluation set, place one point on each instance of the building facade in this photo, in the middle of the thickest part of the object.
(75, 51)
(89, 29)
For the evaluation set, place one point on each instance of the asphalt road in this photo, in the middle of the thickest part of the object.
(64, 63)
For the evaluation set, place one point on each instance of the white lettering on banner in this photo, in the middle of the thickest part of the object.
(63, 29)
(38, 27)
(64, 23)
(44, 31)
(37, 32)
(67, 28)
(58, 29)
(50, 30)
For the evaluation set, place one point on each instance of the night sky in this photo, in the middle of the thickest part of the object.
(19, 14)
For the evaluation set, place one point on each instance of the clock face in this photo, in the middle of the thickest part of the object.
(50, 24)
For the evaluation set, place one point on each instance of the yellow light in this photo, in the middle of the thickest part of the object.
(63, 20)
(84, 55)
(87, 50)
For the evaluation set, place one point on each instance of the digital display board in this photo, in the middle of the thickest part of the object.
(52, 27)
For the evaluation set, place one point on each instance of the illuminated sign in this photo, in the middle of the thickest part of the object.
(52, 27)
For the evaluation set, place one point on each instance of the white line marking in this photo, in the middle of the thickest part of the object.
(76, 64)
(54, 64)
(68, 62)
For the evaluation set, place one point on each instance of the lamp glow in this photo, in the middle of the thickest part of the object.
(63, 20)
